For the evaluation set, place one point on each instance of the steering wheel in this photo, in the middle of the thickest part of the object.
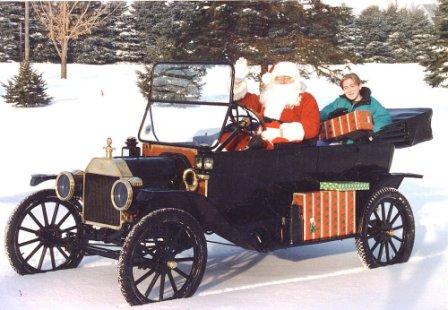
(246, 122)
(243, 127)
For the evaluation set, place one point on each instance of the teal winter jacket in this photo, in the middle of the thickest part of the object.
(380, 115)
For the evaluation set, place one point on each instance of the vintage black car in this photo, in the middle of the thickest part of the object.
(151, 207)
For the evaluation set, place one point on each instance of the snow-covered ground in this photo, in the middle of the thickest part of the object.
(101, 101)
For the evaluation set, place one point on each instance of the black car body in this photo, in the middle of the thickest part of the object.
(155, 204)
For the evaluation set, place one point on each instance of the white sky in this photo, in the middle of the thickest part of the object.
(359, 5)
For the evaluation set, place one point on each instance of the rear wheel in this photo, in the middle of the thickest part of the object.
(44, 234)
(386, 230)
(163, 257)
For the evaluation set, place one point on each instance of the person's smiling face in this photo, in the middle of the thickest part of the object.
(352, 90)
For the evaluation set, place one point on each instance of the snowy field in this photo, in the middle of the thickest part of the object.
(101, 101)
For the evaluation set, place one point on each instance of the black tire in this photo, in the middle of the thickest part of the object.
(44, 234)
(163, 257)
(386, 229)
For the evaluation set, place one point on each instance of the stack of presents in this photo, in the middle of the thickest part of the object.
(330, 212)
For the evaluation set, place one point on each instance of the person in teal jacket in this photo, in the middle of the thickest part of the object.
(356, 97)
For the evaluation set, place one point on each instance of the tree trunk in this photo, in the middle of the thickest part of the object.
(64, 49)
(27, 31)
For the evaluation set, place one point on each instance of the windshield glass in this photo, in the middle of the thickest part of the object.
(185, 82)
(186, 124)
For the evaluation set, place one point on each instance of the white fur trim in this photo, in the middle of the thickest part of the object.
(286, 68)
(266, 78)
(270, 134)
(292, 131)
(239, 89)
(241, 68)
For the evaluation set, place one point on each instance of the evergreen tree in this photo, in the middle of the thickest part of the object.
(266, 32)
(420, 34)
(27, 89)
(11, 19)
(436, 61)
(99, 46)
(127, 44)
(374, 34)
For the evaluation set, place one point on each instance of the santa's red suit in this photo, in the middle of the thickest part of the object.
(290, 114)
(297, 122)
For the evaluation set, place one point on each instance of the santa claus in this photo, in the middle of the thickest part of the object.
(290, 113)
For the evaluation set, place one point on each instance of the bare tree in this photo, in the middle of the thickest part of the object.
(66, 21)
(27, 31)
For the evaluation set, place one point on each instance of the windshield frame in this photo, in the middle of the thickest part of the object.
(149, 112)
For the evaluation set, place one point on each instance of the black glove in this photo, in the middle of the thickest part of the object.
(337, 112)
(257, 143)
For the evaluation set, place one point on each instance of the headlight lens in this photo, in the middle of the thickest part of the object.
(208, 163)
(121, 195)
(199, 162)
(65, 186)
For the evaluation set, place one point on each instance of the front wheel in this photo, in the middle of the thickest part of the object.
(386, 230)
(163, 257)
(44, 234)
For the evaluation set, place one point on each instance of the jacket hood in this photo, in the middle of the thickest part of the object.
(365, 94)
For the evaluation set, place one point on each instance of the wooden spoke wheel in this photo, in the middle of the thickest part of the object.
(44, 234)
(386, 230)
(163, 257)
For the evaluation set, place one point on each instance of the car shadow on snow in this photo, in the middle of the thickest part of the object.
(223, 265)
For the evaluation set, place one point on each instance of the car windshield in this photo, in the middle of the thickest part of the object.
(186, 124)
(190, 82)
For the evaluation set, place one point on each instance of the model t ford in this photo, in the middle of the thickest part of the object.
(151, 207)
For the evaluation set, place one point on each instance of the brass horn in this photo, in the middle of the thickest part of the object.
(190, 179)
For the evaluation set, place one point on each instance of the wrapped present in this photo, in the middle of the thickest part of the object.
(326, 214)
(344, 186)
(345, 126)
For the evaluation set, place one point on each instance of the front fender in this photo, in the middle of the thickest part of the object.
(36, 179)
(148, 200)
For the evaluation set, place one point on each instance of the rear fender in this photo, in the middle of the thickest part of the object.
(388, 180)
(393, 180)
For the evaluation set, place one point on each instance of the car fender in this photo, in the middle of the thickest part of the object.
(148, 200)
(36, 179)
(393, 180)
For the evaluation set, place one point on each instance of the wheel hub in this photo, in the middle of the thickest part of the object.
(164, 259)
(50, 235)
(171, 264)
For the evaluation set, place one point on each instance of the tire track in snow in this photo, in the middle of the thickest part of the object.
(312, 277)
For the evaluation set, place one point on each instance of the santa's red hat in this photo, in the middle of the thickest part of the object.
(283, 68)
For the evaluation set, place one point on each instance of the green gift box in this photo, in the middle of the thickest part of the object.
(344, 186)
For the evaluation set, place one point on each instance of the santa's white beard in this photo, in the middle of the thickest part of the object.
(276, 97)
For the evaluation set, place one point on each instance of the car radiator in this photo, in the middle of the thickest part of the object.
(98, 206)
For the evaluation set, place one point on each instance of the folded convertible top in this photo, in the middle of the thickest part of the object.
(409, 127)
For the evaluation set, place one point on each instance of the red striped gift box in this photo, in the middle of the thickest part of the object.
(326, 214)
(345, 124)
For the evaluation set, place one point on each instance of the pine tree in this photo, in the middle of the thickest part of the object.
(436, 61)
(27, 89)
(99, 46)
(420, 33)
(127, 44)
(11, 19)
(374, 33)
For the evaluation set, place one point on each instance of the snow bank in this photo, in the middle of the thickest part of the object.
(97, 102)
